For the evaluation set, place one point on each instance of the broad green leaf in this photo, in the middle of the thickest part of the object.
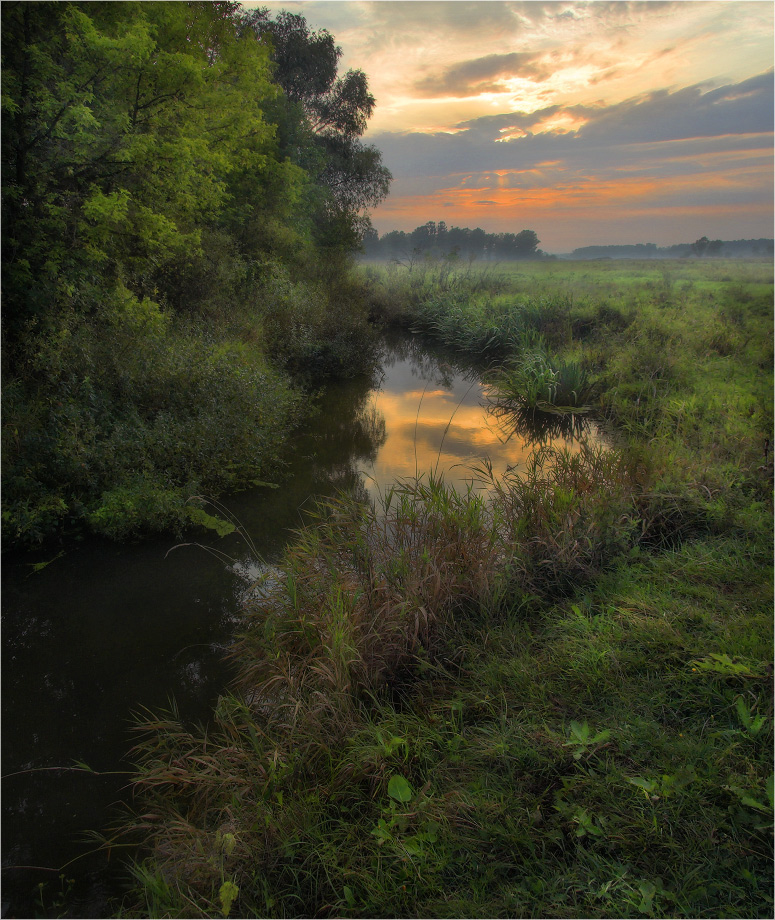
(399, 789)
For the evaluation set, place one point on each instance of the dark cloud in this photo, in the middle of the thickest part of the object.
(492, 126)
(745, 108)
(686, 123)
(482, 74)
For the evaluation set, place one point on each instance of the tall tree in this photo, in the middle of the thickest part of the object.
(124, 128)
(326, 117)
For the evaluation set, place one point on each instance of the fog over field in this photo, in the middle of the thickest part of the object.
(591, 123)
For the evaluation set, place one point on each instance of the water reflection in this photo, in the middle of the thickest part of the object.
(439, 417)
(539, 429)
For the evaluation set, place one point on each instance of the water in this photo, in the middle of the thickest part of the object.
(106, 630)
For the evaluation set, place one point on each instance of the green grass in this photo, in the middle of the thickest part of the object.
(554, 701)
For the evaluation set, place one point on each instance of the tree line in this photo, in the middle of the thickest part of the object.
(440, 240)
(701, 248)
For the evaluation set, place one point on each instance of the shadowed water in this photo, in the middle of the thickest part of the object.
(105, 630)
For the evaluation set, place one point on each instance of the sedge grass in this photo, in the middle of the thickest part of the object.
(553, 702)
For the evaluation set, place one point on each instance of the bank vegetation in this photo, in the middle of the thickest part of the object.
(550, 699)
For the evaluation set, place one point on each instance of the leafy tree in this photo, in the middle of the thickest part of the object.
(526, 243)
(324, 120)
(127, 129)
(152, 165)
(424, 237)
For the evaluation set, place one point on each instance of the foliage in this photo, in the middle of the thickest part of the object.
(124, 426)
(162, 266)
(324, 118)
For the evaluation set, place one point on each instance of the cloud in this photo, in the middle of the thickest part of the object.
(481, 75)
(691, 112)
(546, 104)
(604, 134)
(682, 156)
(463, 17)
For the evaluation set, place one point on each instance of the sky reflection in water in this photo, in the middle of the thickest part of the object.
(437, 417)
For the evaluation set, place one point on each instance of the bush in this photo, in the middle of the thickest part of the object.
(133, 415)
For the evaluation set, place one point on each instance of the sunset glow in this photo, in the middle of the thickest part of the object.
(448, 430)
(587, 122)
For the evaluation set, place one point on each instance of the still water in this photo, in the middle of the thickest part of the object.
(105, 631)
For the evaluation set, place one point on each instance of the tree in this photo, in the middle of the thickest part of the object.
(526, 243)
(126, 128)
(325, 117)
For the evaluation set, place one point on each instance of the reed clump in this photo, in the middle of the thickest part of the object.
(360, 596)
(566, 517)
(366, 603)
(537, 381)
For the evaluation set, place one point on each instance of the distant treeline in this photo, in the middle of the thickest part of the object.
(438, 239)
(700, 248)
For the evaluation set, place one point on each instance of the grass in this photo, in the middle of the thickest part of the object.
(555, 700)
(535, 381)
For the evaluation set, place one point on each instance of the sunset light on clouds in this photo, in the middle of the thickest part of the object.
(588, 122)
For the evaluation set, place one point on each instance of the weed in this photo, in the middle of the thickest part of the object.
(583, 741)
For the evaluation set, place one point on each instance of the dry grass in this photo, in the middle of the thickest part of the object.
(362, 594)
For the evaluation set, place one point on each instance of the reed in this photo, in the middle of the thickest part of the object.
(536, 381)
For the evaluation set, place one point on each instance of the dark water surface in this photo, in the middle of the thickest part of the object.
(107, 630)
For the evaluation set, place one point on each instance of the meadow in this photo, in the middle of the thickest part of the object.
(552, 700)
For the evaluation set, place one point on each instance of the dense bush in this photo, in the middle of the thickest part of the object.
(131, 418)
(176, 228)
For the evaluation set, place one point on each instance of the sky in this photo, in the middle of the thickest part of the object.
(588, 122)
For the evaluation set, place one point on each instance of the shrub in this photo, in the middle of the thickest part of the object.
(133, 415)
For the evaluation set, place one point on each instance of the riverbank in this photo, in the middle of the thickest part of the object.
(104, 654)
(554, 702)
(137, 413)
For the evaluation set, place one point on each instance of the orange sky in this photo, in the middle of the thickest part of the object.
(586, 122)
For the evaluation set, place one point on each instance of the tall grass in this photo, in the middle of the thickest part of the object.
(551, 701)
(536, 381)
(420, 719)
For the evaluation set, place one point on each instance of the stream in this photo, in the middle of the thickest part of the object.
(105, 631)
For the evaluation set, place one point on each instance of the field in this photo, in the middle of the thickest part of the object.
(553, 702)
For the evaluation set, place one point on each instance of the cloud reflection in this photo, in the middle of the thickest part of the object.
(450, 429)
